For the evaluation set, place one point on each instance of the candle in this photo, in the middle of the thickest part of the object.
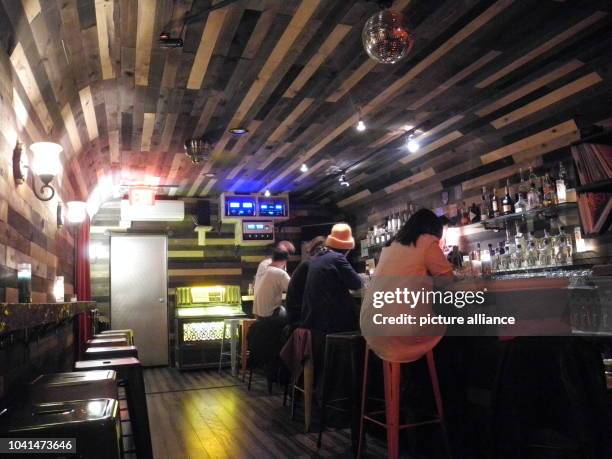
(24, 282)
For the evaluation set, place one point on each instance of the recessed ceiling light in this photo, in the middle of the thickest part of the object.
(412, 146)
(238, 131)
(361, 126)
(303, 168)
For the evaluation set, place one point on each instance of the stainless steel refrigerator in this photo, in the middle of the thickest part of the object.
(139, 292)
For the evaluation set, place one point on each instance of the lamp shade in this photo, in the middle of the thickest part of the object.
(46, 158)
(76, 211)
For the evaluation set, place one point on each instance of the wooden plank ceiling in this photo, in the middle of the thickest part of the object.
(488, 84)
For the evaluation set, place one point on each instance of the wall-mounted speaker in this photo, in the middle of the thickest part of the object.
(202, 216)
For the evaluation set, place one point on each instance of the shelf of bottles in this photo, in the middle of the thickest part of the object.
(379, 235)
(530, 199)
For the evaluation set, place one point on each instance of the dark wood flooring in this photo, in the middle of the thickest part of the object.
(201, 414)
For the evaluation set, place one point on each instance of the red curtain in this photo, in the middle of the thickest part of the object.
(83, 280)
(83, 287)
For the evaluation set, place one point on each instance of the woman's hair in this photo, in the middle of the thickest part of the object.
(315, 245)
(423, 221)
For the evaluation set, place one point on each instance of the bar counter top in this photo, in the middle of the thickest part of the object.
(20, 316)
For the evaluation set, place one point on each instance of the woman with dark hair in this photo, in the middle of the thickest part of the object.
(412, 262)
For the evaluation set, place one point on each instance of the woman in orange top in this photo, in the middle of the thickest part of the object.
(414, 261)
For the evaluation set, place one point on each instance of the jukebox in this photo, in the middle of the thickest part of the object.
(200, 312)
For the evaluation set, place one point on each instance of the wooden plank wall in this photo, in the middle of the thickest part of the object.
(28, 229)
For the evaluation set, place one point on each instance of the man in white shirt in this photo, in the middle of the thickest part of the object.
(285, 246)
(271, 284)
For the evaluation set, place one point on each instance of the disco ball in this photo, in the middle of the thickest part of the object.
(386, 37)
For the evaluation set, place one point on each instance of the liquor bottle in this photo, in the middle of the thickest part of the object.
(494, 205)
(474, 214)
(522, 188)
(548, 192)
(404, 218)
(561, 184)
(476, 253)
(533, 198)
(507, 201)
(465, 214)
(484, 209)
(520, 205)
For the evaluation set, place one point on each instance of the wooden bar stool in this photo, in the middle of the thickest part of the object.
(392, 374)
(110, 352)
(129, 371)
(233, 325)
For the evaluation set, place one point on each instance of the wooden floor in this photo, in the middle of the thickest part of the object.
(200, 414)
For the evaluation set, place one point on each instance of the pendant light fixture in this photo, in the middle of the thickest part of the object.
(361, 126)
(303, 168)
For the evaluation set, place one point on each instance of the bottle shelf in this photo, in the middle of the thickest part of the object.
(603, 186)
(544, 212)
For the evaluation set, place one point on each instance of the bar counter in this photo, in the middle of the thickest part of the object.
(19, 316)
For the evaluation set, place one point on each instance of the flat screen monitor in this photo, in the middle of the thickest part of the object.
(272, 208)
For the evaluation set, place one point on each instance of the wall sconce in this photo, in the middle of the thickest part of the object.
(20, 164)
(76, 211)
(46, 165)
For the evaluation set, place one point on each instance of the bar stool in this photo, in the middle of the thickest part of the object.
(392, 373)
(110, 352)
(244, 344)
(353, 344)
(129, 370)
(105, 342)
(84, 385)
(234, 335)
(94, 423)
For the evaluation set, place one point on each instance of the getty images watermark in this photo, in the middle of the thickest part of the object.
(415, 299)
(425, 306)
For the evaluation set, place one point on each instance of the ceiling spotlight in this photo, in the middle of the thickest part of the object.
(303, 168)
(238, 131)
(166, 41)
(412, 145)
(343, 181)
(267, 193)
(361, 126)
(210, 174)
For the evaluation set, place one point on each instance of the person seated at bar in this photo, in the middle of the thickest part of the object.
(285, 246)
(297, 284)
(270, 286)
(414, 260)
(328, 305)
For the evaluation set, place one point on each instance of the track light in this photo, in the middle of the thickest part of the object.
(343, 181)
(303, 168)
(361, 126)
(412, 145)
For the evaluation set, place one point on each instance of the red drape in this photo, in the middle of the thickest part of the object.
(83, 281)
(82, 287)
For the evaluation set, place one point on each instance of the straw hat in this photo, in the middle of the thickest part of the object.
(341, 237)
